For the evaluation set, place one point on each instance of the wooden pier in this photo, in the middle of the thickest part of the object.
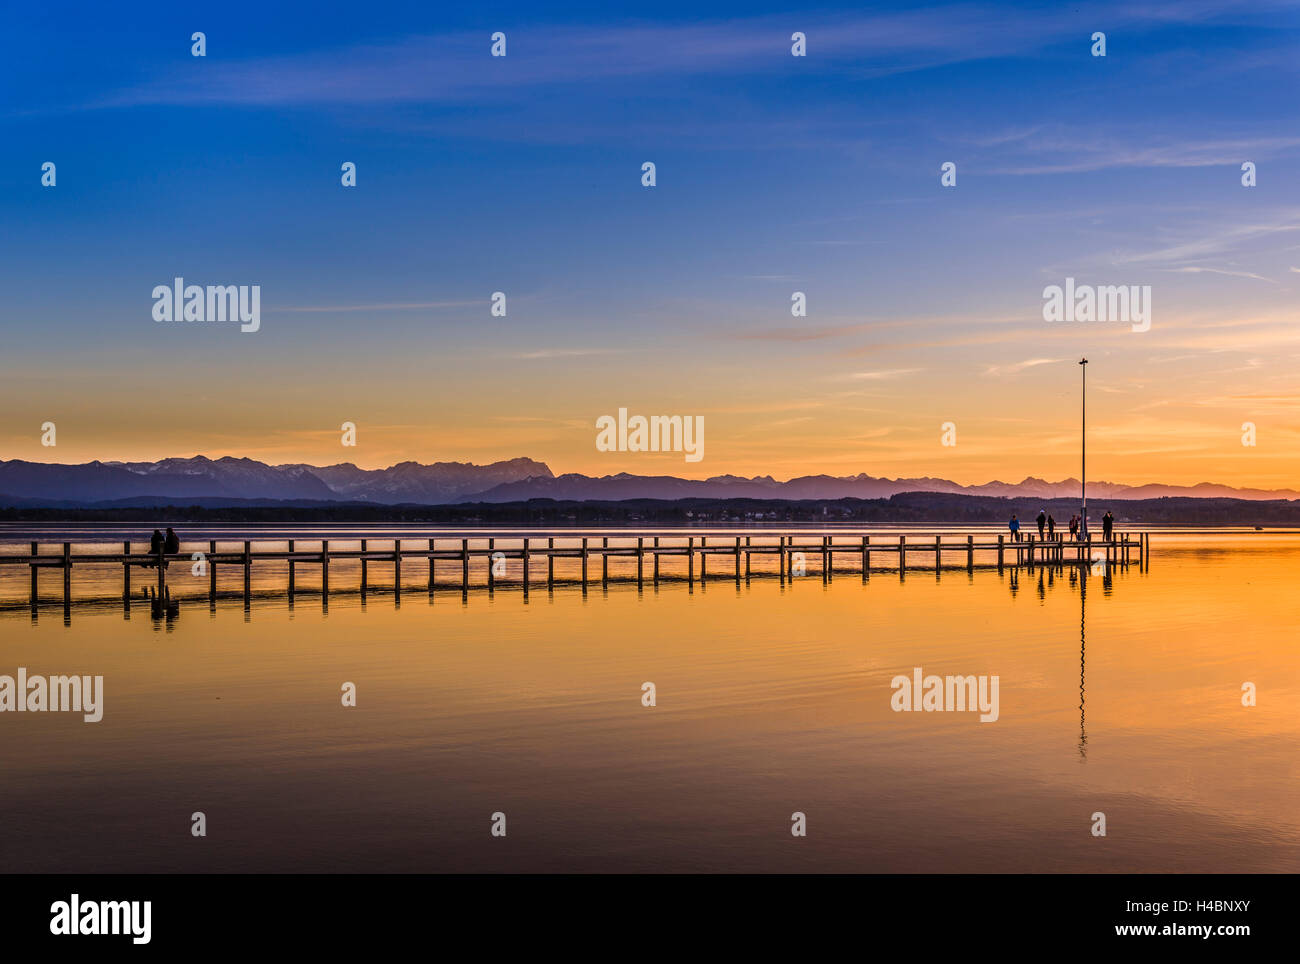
(787, 556)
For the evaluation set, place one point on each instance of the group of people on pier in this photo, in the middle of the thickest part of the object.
(166, 544)
(1047, 526)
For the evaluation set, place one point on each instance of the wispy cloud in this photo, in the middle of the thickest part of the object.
(403, 306)
(1020, 366)
(795, 334)
(1196, 269)
(1195, 242)
(545, 353)
(882, 375)
(457, 67)
(1127, 150)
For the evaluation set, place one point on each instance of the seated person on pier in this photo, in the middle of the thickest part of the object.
(155, 546)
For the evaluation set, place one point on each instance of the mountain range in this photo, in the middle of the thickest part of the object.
(228, 480)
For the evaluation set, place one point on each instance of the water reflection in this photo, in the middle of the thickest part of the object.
(1082, 578)
(772, 697)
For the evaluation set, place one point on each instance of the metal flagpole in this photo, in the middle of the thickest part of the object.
(1083, 464)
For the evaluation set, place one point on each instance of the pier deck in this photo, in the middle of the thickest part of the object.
(797, 554)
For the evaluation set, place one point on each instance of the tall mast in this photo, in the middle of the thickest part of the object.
(1083, 448)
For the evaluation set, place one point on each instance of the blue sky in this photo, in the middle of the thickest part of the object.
(775, 174)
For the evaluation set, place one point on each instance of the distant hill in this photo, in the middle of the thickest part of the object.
(231, 481)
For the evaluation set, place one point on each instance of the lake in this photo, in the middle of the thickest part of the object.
(1118, 694)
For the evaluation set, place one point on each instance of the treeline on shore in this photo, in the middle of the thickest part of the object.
(908, 507)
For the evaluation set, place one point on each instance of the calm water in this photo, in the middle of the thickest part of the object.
(1117, 694)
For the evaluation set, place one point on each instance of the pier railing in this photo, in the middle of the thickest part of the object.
(794, 554)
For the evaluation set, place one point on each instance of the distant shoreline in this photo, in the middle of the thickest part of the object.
(905, 509)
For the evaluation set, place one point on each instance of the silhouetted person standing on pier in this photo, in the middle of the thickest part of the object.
(1074, 528)
(1051, 527)
(1042, 521)
(1014, 526)
(1107, 525)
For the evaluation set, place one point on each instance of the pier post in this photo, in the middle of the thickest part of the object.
(324, 571)
(970, 553)
(640, 560)
(365, 570)
(126, 573)
(749, 553)
(397, 570)
(492, 580)
(293, 580)
(738, 560)
(902, 555)
(690, 561)
(433, 571)
(550, 562)
(656, 562)
(1031, 552)
(162, 573)
(584, 563)
(827, 559)
(1000, 549)
(704, 558)
(248, 575)
(604, 561)
(67, 575)
(936, 551)
(36, 548)
(780, 557)
(866, 557)
(525, 565)
(212, 571)
(464, 566)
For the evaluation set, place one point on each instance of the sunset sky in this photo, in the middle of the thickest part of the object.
(775, 174)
